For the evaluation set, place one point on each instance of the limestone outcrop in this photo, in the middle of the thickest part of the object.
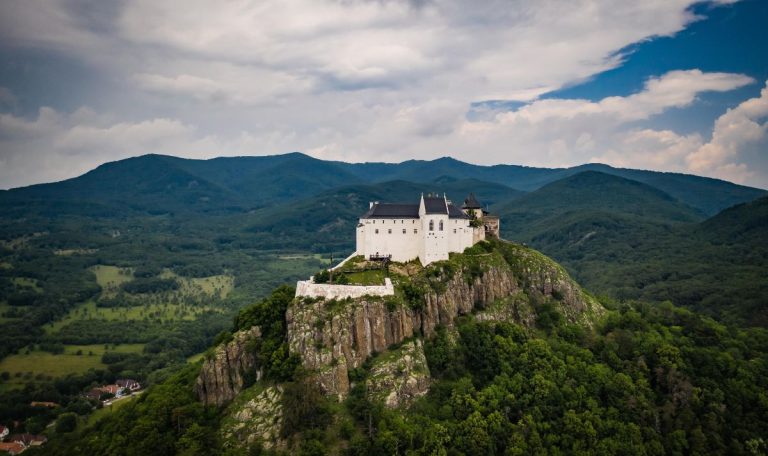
(333, 337)
(228, 370)
(254, 418)
(399, 377)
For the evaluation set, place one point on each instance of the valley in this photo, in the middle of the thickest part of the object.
(139, 279)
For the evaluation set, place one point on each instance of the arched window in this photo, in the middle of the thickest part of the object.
(441, 225)
(431, 225)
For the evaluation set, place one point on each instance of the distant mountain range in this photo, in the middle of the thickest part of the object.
(627, 233)
(157, 183)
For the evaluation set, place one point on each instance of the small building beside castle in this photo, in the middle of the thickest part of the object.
(428, 230)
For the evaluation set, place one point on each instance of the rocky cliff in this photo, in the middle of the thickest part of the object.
(333, 337)
(229, 369)
(400, 376)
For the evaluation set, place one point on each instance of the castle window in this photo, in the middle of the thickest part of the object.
(403, 230)
(415, 231)
(431, 225)
(389, 231)
(441, 225)
(454, 231)
(377, 231)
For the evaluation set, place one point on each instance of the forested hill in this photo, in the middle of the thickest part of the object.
(505, 355)
(631, 241)
(156, 183)
(586, 194)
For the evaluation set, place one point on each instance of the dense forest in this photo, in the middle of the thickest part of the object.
(649, 379)
(136, 268)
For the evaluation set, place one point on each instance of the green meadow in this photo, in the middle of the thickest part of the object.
(110, 409)
(154, 312)
(110, 278)
(38, 365)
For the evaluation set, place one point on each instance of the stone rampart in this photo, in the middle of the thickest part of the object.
(333, 291)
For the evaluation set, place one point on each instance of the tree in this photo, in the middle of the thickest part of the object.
(67, 422)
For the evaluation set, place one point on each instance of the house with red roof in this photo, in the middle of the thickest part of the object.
(12, 448)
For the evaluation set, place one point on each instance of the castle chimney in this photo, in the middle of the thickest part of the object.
(370, 204)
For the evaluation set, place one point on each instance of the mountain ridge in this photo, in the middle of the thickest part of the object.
(255, 181)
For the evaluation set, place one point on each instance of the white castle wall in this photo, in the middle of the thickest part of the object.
(390, 239)
(435, 241)
(333, 291)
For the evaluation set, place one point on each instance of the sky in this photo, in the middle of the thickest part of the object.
(669, 85)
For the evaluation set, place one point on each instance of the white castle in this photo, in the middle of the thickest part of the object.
(428, 230)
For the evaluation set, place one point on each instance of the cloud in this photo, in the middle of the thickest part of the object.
(59, 145)
(733, 130)
(584, 131)
(497, 50)
(356, 80)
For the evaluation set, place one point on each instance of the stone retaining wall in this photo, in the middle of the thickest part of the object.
(333, 291)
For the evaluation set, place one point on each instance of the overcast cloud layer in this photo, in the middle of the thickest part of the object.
(360, 80)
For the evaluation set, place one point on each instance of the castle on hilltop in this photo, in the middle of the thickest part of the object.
(428, 230)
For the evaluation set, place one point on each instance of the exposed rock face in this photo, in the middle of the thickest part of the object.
(224, 374)
(254, 418)
(460, 297)
(333, 339)
(540, 274)
(400, 376)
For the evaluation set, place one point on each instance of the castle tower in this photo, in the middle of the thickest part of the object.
(472, 207)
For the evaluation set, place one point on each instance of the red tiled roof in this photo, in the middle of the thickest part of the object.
(12, 447)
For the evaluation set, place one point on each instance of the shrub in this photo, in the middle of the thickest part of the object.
(322, 276)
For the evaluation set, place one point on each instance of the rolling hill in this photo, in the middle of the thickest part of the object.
(162, 184)
(589, 192)
(631, 241)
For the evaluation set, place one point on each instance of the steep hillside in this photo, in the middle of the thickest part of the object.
(631, 252)
(495, 351)
(589, 192)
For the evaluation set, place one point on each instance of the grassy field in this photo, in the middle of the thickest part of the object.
(38, 365)
(69, 252)
(324, 258)
(195, 358)
(25, 282)
(109, 409)
(4, 307)
(217, 286)
(162, 311)
(110, 278)
(371, 277)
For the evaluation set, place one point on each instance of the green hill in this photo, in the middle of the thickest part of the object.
(521, 362)
(630, 241)
(163, 184)
(705, 194)
(326, 222)
(589, 192)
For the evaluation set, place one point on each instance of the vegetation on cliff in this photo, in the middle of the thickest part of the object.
(567, 376)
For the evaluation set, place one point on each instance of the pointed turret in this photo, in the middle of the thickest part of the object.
(470, 202)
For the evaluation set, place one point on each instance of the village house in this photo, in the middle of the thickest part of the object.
(12, 448)
(428, 230)
(17, 443)
(43, 404)
(115, 390)
(129, 384)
